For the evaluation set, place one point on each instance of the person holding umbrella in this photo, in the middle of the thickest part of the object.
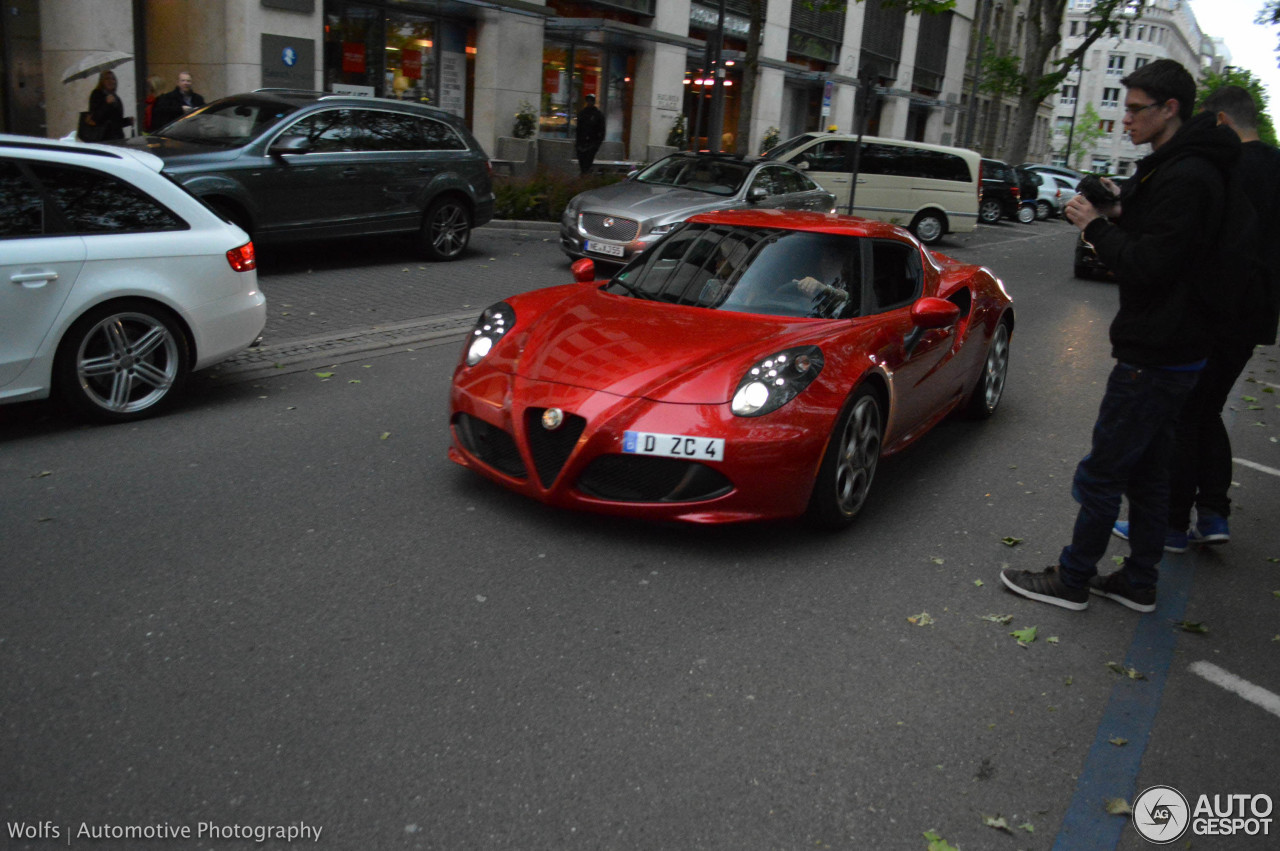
(106, 112)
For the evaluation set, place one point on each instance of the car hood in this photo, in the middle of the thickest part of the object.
(636, 348)
(649, 201)
(176, 153)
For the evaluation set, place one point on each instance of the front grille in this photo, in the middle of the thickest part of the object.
(622, 230)
(490, 444)
(550, 449)
(642, 478)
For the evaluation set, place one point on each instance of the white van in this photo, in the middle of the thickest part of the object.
(930, 189)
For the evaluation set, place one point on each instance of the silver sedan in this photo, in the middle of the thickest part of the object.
(616, 222)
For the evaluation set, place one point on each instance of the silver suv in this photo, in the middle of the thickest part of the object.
(291, 165)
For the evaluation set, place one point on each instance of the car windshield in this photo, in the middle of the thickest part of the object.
(768, 271)
(708, 174)
(228, 122)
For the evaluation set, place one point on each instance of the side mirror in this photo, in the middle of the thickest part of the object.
(803, 165)
(931, 312)
(289, 145)
(584, 270)
(756, 194)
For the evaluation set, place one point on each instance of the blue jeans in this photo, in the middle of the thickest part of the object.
(1132, 446)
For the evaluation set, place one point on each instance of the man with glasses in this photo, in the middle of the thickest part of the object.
(1157, 238)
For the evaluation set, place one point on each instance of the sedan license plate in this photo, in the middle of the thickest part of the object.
(605, 248)
(674, 445)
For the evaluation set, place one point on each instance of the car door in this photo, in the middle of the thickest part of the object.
(829, 163)
(914, 357)
(331, 189)
(790, 190)
(38, 264)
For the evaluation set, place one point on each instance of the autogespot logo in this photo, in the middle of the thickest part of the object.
(1160, 814)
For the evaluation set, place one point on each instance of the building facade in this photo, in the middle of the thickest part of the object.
(650, 63)
(1167, 29)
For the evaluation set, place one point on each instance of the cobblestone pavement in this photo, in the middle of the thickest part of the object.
(350, 296)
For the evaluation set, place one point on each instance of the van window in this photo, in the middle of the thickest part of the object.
(905, 161)
(829, 155)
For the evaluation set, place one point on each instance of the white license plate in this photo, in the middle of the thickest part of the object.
(605, 248)
(673, 445)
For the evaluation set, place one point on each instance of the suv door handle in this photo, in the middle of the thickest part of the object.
(34, 280)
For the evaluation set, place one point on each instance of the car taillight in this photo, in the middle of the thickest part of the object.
(1017, 194)
(242, 259)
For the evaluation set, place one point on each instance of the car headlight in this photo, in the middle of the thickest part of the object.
(776, 380)
(659, 230)
(492, 324)
(571, 209)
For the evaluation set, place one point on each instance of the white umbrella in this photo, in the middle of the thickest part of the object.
(95, 63)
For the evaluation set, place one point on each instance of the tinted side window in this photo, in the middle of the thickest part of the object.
(21, 205)
(884, 159)
(94, 202)
(828, 155)
(329, 130)
(940, 165)
(438, 136)
(896, 274)
(378, 130)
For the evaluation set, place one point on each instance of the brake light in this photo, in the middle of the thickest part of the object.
(242, 259)
(1017, 194)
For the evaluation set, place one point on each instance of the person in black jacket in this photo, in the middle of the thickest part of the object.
(171, 106)
(589, 135)
(105, 109)
(1201, 471)
(1160, 248)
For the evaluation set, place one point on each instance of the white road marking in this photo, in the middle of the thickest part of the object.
(1229, 681)
(1243, 463)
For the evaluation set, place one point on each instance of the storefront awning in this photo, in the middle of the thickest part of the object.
(614, 33)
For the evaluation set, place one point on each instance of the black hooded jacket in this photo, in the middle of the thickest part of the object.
(1161, 247)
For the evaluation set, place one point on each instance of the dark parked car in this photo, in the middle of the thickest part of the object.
(1001, 195)
(287, 165)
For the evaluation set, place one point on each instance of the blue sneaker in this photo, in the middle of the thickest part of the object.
(1209, 529)
(1174, 541)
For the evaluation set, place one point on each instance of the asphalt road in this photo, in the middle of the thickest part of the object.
(280, 605)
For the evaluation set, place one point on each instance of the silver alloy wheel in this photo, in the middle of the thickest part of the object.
(996, 368)
(448, 228)
(859, 452)
(1026, 214)
(989, 213)
(127, 362)
(928, 228)
(1043, 210)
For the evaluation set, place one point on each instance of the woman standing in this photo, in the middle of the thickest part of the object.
(105, 109)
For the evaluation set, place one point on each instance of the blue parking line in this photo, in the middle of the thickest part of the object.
(1110, 771)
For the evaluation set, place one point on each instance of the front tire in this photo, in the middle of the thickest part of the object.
(122, 361)
(849, 464)
(446, 229)
(995, 369)
(1026, 214)
(1043, 210)
(989, 212)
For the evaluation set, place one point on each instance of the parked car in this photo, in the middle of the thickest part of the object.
(120, 282)
(1001, 194)
(1059, 170)
(618, 221)
(290, 165)
(1029, 184)
(753, 364)
(932, 190)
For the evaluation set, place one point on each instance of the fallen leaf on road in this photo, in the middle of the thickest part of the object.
(324, 375)
(1131, 673)
(937, 843)
(1011, 542)
(1118, 742)
(1118, 807)
(1024, 636)
(1002, 619)
(922, 619)
(1191, 626)
(996, 822)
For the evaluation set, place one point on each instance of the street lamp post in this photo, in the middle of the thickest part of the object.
(866, 89)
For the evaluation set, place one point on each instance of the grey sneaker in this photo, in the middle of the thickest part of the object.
(1116, 586)
(1046, 586)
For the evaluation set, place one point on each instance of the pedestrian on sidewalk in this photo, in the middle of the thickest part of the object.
(172, 105)
(1157, 238)
(589, 135)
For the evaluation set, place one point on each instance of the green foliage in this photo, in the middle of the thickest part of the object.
(1243, 78)
(1002, 75)
(1087, 132)
(676, 137)
(543, 196)
(526, 122)
(771, 139)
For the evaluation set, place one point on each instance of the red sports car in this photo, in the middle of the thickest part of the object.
(753, 364)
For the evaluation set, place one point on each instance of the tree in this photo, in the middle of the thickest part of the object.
(1269, 14)
(1088, 130)
(1042, 35)
(1243, 78)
